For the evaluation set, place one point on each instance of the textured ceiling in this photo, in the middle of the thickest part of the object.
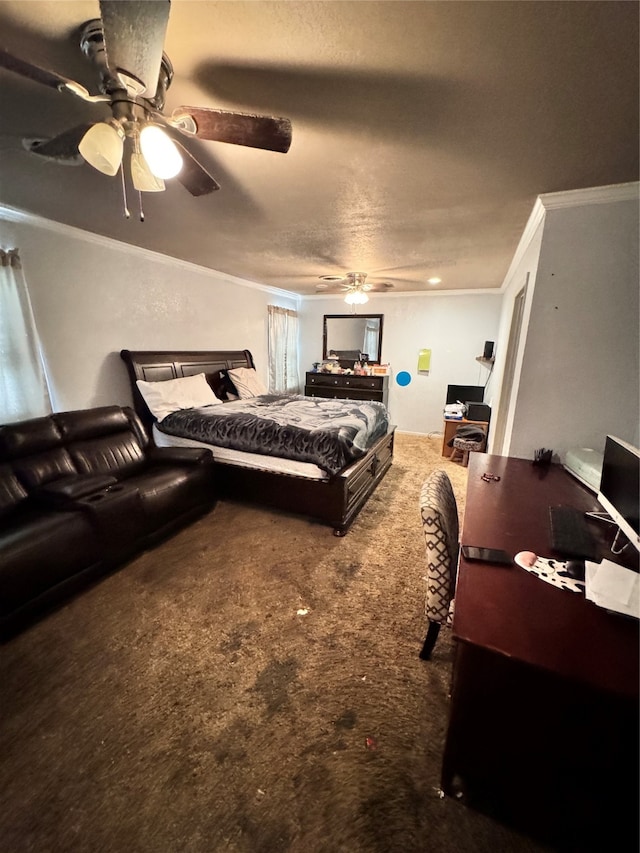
(422, 131)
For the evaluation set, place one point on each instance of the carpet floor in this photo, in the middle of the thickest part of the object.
(252, 685)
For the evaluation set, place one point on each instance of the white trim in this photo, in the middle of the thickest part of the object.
(591, 195)
(533, 223)
(13, 214)
(572, 198)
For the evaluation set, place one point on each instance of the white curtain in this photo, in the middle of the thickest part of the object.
(283, 350)
(23, 384)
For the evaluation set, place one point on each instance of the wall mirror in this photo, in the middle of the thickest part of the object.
(350, 336)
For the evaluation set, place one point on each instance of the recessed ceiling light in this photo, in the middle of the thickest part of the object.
(434, 280)
(330, 277)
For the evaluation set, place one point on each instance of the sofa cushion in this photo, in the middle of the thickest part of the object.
(91, 423)
(164, 488)
(12, 494)
(35, 471)
(118, 454)
(28, 437)
(68, 540)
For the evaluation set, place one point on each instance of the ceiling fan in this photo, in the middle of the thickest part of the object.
(125, 47)
(354, 285)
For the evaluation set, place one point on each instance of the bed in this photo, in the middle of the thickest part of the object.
(290, 485)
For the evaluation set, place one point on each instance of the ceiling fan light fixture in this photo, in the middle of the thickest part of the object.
(356, 297)
(162, 156)
(102, 147)
(143, 178)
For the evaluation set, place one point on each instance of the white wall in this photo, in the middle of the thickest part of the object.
(453, 326)
(93, 297)
(579, 376)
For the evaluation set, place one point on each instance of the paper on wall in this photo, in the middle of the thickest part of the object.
(424, 361)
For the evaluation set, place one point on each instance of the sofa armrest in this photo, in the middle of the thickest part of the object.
(66, 491)
(179, 455)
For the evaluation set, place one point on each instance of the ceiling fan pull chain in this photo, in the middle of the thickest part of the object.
(140, 206)
(127, 214)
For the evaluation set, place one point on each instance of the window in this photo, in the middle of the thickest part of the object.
(283, 350)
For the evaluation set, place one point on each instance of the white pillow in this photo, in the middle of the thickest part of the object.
(162, 398)
(247, 382)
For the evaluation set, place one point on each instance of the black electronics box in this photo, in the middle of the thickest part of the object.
(488, 349)
(478, 412)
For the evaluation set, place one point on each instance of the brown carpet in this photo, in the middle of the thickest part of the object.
(252, 685)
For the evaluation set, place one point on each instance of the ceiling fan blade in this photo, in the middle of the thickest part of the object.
(64, 146)
(269, 132)
(193, 176)
(34, 72)
(134, 33)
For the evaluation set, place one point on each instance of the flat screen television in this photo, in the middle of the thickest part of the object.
(619, 492)
(465, 394)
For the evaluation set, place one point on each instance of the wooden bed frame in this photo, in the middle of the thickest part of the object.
(336, 501)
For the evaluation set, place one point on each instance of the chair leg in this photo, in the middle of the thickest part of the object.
(430, 641)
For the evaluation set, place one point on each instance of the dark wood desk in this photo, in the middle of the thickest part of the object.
(543, 731)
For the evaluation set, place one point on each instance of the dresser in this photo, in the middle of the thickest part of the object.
(347, 386)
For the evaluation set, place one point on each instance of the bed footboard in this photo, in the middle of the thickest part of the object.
(335, 502)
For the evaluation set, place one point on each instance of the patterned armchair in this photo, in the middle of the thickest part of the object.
(439, 513)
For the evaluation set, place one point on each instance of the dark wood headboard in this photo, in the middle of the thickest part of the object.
(159, 366)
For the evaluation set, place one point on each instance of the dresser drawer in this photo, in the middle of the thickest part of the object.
(344, 393)
(347, 387)
(332, 380)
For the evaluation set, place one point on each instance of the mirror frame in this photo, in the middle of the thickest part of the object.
(374, 358)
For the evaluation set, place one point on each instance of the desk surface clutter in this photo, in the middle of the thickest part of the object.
(550, 571)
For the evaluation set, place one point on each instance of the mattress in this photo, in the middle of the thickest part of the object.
(329, 433)
(244, 459)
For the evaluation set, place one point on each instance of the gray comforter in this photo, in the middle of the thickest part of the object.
(330, 433)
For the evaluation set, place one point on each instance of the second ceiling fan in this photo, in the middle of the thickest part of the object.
(354, 285)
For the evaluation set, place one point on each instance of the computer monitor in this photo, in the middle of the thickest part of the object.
(619, 491)
(465, 394)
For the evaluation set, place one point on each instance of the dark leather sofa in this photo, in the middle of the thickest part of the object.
(80, 493)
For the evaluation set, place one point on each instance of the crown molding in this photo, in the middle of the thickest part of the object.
(572, 198)
(591, 195)
(536, 217)
(14, 214)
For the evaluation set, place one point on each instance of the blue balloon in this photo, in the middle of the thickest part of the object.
(403, 378)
